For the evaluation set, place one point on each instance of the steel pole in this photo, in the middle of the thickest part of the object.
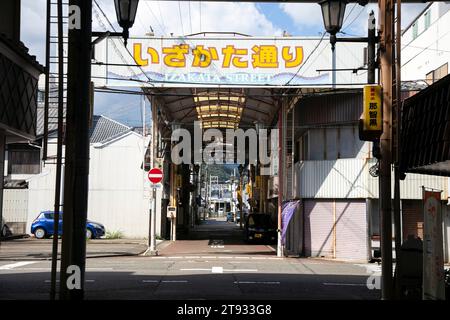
(152, 235)
(58, 151)
(280, 179)
(73, 254)
(386, 22)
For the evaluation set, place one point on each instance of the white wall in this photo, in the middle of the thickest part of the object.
(431, 49)
(118, 187)
(350, 178)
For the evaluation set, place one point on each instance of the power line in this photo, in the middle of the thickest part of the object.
(200, 9)
(345, 19)
(161, 15)
(361, 11)
(190, 18)
(311, 53)
(114, 29)
(161, 26)
(181, 18)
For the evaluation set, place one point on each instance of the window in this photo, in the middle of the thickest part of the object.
(40, 96)
(23, 160)
(427, 19)
(415, 30)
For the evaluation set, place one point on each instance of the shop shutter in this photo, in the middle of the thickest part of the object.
(351, 230)
(318, 228)
(412, 218)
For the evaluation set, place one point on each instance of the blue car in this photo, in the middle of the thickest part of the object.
(42, 226)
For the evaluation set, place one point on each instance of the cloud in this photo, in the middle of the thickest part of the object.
(33, 16)
(308, 17)
(181, 18)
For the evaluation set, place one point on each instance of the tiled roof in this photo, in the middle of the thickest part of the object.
(104, 129)
(19, 48)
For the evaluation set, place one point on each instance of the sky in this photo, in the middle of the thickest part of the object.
(187, 17)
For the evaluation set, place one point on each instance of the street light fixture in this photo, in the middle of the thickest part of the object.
(333, 12)
(126, 13)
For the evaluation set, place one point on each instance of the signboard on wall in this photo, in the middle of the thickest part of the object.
(433, 252)
(371, 124)
(225, 61)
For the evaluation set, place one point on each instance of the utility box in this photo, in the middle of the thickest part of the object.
(410, 269)
(171, 212)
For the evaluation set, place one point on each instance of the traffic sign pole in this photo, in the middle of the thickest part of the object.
(155, 176)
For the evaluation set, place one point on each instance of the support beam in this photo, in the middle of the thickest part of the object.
(386, 23)
(2, 176)
(73, 255)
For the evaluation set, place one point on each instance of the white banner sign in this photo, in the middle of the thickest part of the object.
(433, 253)
(205, 61)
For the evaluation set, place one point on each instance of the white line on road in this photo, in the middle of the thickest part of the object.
(48, 281)
(150, 281)
(257, 282)
(243, 270)
(16, 265)
(174, 281)
(217, 269)
(344, 284)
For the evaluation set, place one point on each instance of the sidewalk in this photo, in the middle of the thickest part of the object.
(34, 249)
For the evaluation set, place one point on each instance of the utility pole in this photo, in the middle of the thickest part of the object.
(73, 255)
(386, 24)
(397, 130)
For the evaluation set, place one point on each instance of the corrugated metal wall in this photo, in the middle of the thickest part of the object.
(342, 178)
(15, 210)
(331, 108)
(15, 205)
(350, 178)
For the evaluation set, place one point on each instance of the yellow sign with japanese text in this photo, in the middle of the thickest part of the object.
(372, 121)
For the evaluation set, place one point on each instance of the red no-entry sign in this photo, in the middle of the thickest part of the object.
(155, 175)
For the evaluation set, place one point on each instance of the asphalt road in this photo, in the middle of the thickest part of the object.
(214, 264)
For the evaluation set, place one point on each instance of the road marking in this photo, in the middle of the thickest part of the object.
(174, 281)
(271, 249)
(150, 281)
(258, 258)
(48, 281)
(217, 269)
(257, 282)
(17, 264)
(344, 284)
(243, 270)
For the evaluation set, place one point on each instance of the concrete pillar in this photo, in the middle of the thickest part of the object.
(2, 177)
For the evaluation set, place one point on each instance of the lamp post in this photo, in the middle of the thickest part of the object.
(333, 12)
(333, 16)
(126, 13)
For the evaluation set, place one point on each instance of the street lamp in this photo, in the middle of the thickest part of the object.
(126, 13)
(333, 12)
